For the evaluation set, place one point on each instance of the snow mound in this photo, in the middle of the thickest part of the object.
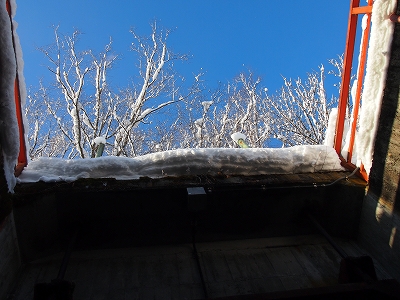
(253, 161)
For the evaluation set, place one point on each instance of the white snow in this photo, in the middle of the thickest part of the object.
(199, 122)
(8, 125)
(99, 140)
(199, 126)
(348, 123)
(330, 130)
(237, 136)
(298, 159)
(374, 84)
(206, 105)
(231, 161)
(145, 113)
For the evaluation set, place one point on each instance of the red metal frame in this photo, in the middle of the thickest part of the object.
(22, 156)
(355, 10)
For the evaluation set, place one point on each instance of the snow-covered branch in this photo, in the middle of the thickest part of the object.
(84, 105)
(157, 79)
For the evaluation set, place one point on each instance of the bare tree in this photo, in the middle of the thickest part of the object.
(249, 118)
(209, 121)
(81, 79)
(297, 114)
(157, 78)
(45, 139)
(82, 104)
(38, 138)
(300, 111)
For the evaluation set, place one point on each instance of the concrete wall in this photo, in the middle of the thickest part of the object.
(10, 262)
(380, 220)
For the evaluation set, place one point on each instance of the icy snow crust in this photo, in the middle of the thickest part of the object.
(234, 161)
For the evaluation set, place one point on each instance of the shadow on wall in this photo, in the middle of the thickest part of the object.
(380, 234)
(9, 256)
(380, 221)
(384, 176)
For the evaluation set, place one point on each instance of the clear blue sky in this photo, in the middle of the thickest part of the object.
(224, 37)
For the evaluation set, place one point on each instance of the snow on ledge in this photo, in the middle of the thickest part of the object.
(253, 161)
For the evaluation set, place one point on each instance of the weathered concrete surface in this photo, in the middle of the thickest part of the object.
(9, 257)
(380, 218)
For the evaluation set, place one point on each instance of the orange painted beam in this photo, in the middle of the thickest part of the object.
(355, 10)
(350, 167)
(361, 10)
(360, 77)
(346, 75)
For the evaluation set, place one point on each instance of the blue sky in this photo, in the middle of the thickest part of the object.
(224, 37)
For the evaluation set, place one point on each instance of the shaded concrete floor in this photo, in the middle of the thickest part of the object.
(170, 272)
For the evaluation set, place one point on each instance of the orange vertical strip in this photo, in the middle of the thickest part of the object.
(22, 157)
(363, 173)
(360, 77)
(347, 64)
(8, 7)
